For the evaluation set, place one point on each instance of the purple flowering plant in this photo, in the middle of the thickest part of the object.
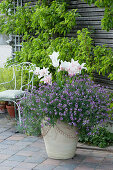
(76, 100)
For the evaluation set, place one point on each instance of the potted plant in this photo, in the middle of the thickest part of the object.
(65, 107)
(11, 109)
(2, 106)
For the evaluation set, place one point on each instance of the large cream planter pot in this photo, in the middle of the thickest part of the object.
(60, 140)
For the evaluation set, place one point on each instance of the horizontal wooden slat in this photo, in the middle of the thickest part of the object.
(103, 32)
(91, 27)
(89, 9)
(73, 2)
(89, 22)
(103, 36)
(95, 31)
(85, 6)
(89, 18)
(91, 14)
(105, 41)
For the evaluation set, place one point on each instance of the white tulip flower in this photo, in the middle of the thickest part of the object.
(54, 58)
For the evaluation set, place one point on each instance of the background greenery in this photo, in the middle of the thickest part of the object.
(44, 28)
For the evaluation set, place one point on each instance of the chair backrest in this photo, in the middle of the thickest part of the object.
(26, 70)
(22, 75)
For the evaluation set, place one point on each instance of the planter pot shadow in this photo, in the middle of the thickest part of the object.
(60, 141)
(11, 111)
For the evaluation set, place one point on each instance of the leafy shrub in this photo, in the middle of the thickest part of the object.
(100, 137)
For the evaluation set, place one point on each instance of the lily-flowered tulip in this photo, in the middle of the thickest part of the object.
(72, 67)
(36, 72)
(47, 79)
(54, 58)
(43, 72)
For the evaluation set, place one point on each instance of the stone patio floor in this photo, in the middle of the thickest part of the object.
(21, 152)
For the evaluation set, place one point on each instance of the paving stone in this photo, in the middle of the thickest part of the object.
(3, 129)
(79, 157)
(3, 137)
(25, 153)
(9, 151)
(84, 168)
(8, 163)
(22, 144)
(83, 152)
(41, 152)
(15, 138)
(44, 167)
(93, 159)
(71, 161)
(89, 165)
(17, 158)
(5, 168)
(99, 153)
(110, 155)
(32, 148)
(3, 146)
(2, 160)
(29, 139)
(37, 159)
(105, 167)
(4, 156)
(38, 144)
(65, 167)
(1, 140)
(26, 165)
(8, 142)
(108, 160)
(52, 162)
(16, 168)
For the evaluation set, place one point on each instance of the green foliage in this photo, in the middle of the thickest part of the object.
(54, 19)
(30, 121)
(44, 27)
(6, 75)
(107, 21)
(103, 60)
(39, 25)
(49, 19)
(15, 23)
(97, 58)
(100, 137)
(83, 53)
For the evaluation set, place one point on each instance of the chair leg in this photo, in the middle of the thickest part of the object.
(15, 106)
(19, 114)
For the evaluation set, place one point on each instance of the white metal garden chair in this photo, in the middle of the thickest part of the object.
(15, 95)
